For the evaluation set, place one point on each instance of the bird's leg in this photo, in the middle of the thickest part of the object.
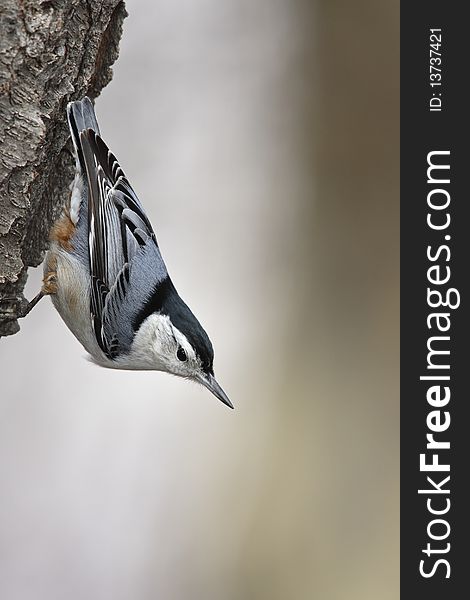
(29, 307)
(49, 287)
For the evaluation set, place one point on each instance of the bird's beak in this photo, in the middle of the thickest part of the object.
(210, 382)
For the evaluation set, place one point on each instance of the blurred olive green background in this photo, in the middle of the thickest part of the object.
(262, 137)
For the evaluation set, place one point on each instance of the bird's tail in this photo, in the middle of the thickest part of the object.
(81, 116)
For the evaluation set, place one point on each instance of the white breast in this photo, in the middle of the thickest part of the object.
(76, 197)
(72, 300)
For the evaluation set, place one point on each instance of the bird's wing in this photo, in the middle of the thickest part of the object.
(126, 266)
(139, 290)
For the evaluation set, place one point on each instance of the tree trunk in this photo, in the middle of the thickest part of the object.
(51, 52)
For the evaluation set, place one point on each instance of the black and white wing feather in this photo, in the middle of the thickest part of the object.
(126, 266)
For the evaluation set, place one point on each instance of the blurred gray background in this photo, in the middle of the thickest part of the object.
(262, 137)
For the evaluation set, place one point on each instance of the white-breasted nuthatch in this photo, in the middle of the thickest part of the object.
(106, 276)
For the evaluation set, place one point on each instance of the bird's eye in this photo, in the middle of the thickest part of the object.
(181, 354)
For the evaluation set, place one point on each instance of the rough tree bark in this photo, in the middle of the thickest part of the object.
(51, 51)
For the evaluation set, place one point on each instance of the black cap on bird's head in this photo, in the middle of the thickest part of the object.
(182, 318)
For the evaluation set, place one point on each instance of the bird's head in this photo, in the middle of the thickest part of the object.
(178, 344)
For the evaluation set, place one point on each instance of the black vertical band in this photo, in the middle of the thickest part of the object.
(435, 250)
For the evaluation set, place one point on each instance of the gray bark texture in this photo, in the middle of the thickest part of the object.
(51, 52)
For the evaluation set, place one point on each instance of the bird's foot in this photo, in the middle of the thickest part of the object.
(27, 308)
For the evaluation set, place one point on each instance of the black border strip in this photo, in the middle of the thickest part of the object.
(424, 131)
